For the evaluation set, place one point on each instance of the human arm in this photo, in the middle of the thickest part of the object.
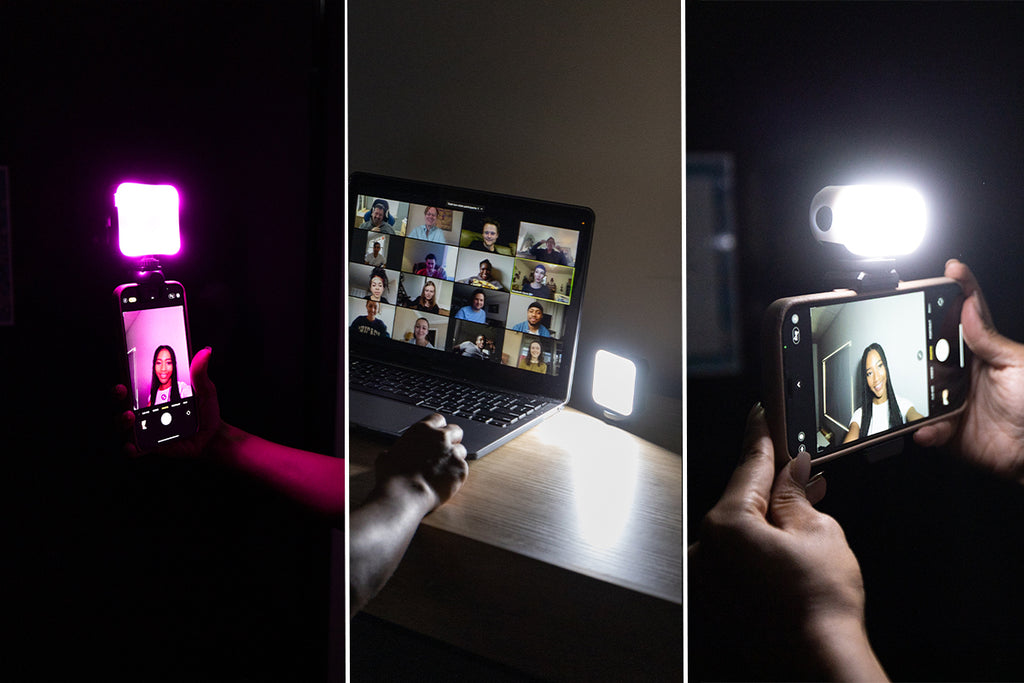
(913, 414)
(424, 468)
(315, 481)
(990, 430)
(776, 577)
(853, 434)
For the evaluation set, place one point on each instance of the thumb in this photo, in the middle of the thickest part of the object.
(200, 372)
(789, 506)
(981, 335)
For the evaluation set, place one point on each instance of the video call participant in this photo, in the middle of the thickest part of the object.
(535, 285)
(484, 278)
(490, 232)
(419, 333)
(880, 408)
(429, 230)
(374, 257)
(533, 361)
(370, 324)
(427, 300)
(377, 285)
(473, 349)
(532, 324)
(378, 221)
(431, 269)
(549, 253)
(165, 387)
(474, 312)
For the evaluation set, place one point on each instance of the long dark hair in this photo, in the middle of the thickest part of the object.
(175, 394)
(867, 396)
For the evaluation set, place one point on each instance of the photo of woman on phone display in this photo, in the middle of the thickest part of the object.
(879, 408)
(165, 387)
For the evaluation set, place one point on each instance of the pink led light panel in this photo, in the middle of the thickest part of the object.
(147, 217)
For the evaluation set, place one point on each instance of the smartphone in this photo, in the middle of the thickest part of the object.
(844, 371)
(156, 353)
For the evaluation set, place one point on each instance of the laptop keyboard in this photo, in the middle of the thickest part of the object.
(440, 394)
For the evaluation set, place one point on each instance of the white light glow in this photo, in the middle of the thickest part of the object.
(871, 220)
(614, 382)
(605, 473)
(147, 217)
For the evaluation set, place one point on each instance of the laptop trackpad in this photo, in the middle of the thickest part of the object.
(383, 415)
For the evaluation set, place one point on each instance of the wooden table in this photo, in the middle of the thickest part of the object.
(561, 556)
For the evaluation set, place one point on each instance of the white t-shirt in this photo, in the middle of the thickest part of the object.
(880, 415)
(163, 396)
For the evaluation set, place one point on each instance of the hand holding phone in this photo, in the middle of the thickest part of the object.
(208, 406)
(990, 431)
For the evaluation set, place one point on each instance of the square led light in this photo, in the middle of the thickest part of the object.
(147, 217)
(614, 383)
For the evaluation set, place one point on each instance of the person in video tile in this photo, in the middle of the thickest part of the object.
(489, 232)
(536, 285)
(370, 324)
(427, 300)
(532, 324)
(880, 408)
(429, 230)
(431, 269)
(549, 253)
(375, 257)
(378, 283)
(419, 333)
(378, 220)
(165, 387)
(533, 361)
(473, 349)
(474, 312)
(485, 278)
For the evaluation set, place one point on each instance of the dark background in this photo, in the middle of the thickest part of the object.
(155, 569)
(813, 94)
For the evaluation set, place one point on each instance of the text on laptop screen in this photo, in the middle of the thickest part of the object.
(461, 281)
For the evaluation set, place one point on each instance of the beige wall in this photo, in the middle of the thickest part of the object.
(569, 101)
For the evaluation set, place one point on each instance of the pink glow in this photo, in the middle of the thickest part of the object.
(147, 218)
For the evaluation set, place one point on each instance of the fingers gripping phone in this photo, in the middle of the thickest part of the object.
(156, 353)
(844, 371)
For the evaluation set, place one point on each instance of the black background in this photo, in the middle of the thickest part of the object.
(155, 569)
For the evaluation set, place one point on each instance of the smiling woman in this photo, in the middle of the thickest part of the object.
(879, 406)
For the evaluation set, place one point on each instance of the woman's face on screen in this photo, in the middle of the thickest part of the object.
(876, 374)
(164, 368)
(376, 287)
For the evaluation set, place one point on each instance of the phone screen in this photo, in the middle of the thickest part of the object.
(157, 354)
(859, 368)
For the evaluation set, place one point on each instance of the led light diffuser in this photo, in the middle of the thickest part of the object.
(870, 220)
(147, 217)
(614, 382)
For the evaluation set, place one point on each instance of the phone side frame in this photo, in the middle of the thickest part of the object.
(774, 392)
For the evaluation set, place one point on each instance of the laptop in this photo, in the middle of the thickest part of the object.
(461, 302)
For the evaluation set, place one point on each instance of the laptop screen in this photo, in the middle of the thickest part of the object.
(485, 286)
